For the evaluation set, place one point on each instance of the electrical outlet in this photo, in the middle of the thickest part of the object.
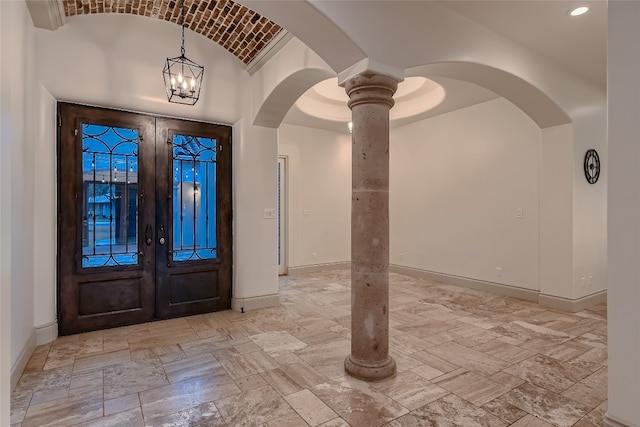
(519, 213)
(498, 271)
(401, 257)
(315, 256)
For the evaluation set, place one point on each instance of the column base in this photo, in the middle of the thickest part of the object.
(370, 372)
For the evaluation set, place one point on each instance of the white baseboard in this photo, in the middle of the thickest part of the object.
(573, 305)
(315, 268)
(46, 333)
(254, 303)
(610, 421)
(23, 359)
(551, 301)
(479, 285)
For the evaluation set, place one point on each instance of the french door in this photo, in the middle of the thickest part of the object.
(144, 218)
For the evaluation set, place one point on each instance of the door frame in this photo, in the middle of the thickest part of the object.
(283, 215)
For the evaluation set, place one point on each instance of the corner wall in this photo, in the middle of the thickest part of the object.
(45, 236)
(18, 87)
(623, 222)
(255, 258)
(319, 195)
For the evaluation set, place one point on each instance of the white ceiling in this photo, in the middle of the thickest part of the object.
(575, 44)
(578, 44)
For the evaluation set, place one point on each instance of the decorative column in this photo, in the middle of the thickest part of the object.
(370, 99)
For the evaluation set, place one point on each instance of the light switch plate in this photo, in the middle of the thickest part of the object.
(270, 213)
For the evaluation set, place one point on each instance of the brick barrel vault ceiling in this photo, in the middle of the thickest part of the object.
(237, 28)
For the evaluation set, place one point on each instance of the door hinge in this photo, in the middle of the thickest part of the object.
(59, 121)
(141, 136)
(221, 148)
(75, 132)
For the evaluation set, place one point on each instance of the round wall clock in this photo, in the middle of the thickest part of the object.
(592, 166)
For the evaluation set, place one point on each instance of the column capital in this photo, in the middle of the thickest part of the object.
(369, 66)
(371, 89)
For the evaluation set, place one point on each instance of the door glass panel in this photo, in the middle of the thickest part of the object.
(110, 196)
(194, 198)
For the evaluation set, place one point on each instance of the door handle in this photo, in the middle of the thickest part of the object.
(148, 235)
(161, 238)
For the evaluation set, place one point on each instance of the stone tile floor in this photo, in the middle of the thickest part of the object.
(465, 358)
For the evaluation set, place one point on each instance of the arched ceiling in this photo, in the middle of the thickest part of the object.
(237, 28)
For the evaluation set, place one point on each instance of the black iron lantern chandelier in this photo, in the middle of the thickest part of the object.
(182, 76)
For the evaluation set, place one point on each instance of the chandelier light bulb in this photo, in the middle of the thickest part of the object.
(180, 78)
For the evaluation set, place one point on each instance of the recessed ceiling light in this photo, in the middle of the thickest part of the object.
(579, 11)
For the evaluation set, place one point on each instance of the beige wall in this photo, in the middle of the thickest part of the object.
(457, 183)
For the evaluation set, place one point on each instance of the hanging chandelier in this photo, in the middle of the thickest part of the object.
(182, 76)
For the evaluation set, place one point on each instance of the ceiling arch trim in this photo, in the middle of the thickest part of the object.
(534, 102)
(276, 105)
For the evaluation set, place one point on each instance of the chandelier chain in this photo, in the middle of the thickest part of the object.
(182, 25)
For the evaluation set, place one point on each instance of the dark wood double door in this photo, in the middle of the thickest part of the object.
(144, 218)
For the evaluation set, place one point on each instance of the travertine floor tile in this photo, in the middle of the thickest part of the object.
(133, 377)
(531, 421)
(427, 372)
(449, 411)
(410, 390)
(248, 364)
(101, 360)
(19, 404)
(277, 343)
(548, 373)
(548, 406)
(129, 418)
(464, 358)
(64, 412)
(328, 359)
(503, 410)
(253, 407)
(291, 420)
(470, 386)
(590, 394)
(205, 414)
(472, 359)
(358, 403)
(38, 359)
(44, 380)
(121, 404)
(504, 351)
(192, 367)
(187, 394)
(310, 407)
